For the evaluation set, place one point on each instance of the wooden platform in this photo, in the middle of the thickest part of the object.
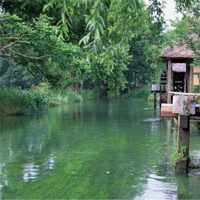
(166, 110)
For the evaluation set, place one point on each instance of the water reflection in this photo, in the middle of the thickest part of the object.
(1, 186)
(195, 157)
(49, 164)
(70, 149)
(30, 172)
(158, 187)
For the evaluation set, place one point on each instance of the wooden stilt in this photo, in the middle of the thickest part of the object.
(154, 100)
(184, 132)
(183, 142)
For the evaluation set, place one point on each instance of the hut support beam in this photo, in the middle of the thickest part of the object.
(169, 76)
(191, 77)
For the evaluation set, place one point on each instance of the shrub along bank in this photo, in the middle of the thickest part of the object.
(17, 101)
(37, 99)
(139, 93)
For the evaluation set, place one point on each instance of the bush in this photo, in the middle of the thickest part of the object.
(140, 93)
(71, 95)
(197, 90)
(58, 97)
(18, 101)
(89, 94)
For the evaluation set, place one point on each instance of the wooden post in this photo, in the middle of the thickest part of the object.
(154, 93)
(169, 76)
(191, 79)
(184, 131)
(183, 142)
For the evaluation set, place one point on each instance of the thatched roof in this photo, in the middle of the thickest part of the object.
(179, 51)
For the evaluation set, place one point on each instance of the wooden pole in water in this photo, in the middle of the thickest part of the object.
(154, 99)
(184, 132)
(183, 142)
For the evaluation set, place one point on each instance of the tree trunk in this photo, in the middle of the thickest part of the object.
(105, 91)
(129, 88)
(76, 87)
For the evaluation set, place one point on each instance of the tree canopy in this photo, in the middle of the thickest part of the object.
(104, 42)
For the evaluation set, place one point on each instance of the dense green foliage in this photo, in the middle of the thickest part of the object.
(15, 75)
(37, 48)
(140, 93)
(46, 45)
(14, 100)
(17, 101)
(104, 45)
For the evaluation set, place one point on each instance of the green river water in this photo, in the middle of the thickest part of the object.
(114, 149)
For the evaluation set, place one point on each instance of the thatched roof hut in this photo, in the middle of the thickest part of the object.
(178, 58)
(179, 52)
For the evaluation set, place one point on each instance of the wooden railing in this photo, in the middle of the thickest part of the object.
(185, 94)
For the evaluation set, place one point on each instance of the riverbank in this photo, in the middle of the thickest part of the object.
(17, 101)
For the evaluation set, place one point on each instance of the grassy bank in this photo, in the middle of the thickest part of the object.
(140, 93)
(18, 101)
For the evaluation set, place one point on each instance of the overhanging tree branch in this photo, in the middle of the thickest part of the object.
(29, 57)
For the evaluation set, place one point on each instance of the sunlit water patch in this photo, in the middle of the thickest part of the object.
(151, 119)
(30, 172)
(195, 157)
(158, 187)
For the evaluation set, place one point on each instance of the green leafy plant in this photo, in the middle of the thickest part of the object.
(178, 154)
(183, 150)
(187, 103)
